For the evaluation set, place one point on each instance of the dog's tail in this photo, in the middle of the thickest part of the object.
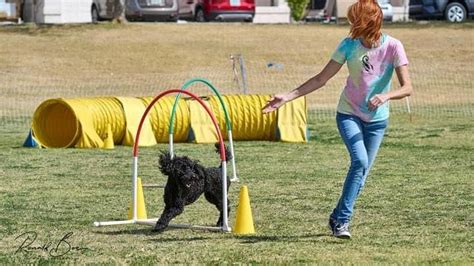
(228, 154)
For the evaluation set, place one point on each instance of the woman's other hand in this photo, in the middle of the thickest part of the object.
(377, 101)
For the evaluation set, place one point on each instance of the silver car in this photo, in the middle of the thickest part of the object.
(152, 10)
(387, 9)
(144, 10)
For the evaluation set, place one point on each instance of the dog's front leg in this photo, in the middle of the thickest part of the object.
(168, 214)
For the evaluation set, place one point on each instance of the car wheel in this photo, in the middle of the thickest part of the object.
(455, 12)
(174, 18)
(94, 15)
(199, 17)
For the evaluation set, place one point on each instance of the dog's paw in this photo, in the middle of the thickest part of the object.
(159, 228)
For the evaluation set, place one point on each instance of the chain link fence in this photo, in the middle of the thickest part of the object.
(450, 93)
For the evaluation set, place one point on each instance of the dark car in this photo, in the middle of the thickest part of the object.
(225, 10)
(452, 11)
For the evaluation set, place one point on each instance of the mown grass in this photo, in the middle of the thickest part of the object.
(417, 206)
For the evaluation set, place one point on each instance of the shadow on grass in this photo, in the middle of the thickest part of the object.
(288, 238)
(128, 232)
(249, 239)
(162, 236)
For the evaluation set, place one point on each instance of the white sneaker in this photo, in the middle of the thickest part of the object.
(341, 231)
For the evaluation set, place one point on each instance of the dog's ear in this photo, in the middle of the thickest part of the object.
(166, 163)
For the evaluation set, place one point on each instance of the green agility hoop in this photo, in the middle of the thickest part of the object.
(228, 124)
(210, 86)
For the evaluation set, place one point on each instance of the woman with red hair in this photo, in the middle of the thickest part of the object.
(363, 109)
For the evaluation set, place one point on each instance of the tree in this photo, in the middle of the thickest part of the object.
(119, 11)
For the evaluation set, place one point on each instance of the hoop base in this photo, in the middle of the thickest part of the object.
(152, 222)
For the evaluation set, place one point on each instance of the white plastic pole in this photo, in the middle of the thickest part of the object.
(170, 137)
(408, 105)
(113, 223)
(134, 187)
(225, 222)
(234, 168)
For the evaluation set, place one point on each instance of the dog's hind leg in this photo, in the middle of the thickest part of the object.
(217, 201)
(168, 214)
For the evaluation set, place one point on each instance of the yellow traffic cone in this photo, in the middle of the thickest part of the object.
(141, 209)
(109, 139)
(244, 220)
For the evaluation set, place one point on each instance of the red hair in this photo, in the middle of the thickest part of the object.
(365, 18)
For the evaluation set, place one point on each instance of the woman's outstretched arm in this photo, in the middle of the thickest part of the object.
(314, 83)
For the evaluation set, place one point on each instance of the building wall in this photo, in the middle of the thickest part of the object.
(76, 11)
(57, 11)
(342, 6)
(264, 3)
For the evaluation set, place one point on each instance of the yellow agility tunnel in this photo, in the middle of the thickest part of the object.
(83, 122)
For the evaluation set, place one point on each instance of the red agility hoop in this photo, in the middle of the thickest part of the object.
(209, 112)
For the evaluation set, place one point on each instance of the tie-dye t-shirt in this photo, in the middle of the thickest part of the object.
(370, 73)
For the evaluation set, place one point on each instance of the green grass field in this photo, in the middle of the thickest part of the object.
(417, 206)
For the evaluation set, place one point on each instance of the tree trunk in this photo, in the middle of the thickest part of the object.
(119, 11)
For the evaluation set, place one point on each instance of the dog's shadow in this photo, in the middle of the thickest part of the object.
(162, 237)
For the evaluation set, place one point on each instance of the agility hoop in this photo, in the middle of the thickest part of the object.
(228, 124)
(225, 221)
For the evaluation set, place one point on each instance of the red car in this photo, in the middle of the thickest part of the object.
(219, 10)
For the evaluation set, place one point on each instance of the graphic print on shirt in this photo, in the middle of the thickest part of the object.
(370, 73)
(367, 66)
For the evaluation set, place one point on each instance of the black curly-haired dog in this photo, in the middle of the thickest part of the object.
(187, 181)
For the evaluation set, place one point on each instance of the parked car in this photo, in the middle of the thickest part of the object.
(452, 11)
(187, 9)
(152, 10)
(145, 10)
(219, 10)
(102, 10)
(387, 9)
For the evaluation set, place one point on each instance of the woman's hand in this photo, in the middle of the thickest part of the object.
(377, 101)
(275, 102)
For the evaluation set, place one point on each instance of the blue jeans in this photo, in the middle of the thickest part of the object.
(362, 140)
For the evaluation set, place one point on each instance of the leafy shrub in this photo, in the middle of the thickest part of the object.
(298, 8)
